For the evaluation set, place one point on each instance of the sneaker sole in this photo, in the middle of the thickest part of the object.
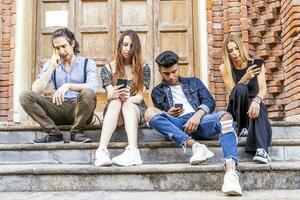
(125, 164)
(232, 193)
(84, 141)
(196, 162)
(260, 160)
(106, 164)
(32, 142)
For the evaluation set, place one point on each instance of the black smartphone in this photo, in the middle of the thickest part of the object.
(258, 63)
(123, 82)
(179, 105)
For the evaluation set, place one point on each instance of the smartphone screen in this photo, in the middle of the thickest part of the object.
(178, 105)
(258, 63)
(123, 82)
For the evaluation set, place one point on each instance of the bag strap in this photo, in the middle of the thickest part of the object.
(54, 79)
(84, 69)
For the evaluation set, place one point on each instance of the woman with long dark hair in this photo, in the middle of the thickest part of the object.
(125, 104)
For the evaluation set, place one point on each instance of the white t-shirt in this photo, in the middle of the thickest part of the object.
(179, 97)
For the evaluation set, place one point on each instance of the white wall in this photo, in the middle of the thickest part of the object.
(203, 38)
(23, 53)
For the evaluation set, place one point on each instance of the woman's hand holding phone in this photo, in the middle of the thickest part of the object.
(115, 92)
(251, 72)
(126, 94)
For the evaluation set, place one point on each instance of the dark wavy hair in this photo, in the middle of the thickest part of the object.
(70, 37)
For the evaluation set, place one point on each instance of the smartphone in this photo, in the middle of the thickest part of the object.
(179, 105)
(258, 63)
(123, 82)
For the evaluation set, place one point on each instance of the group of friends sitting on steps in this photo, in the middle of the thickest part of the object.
(183, 108)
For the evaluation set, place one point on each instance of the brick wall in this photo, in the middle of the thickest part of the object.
(269, 30)
(290, 12)
(7, 45)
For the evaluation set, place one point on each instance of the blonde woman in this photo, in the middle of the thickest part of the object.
(245, 80)
(126, 105)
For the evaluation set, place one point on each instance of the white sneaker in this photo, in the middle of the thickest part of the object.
(102, 157)
(231, 185)
(131, 156)
(200, 153)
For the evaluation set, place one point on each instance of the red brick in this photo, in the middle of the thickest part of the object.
(276, 115)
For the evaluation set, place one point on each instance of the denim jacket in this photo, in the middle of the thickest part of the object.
(193, 88)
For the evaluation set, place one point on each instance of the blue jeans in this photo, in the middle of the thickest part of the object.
(209, 128)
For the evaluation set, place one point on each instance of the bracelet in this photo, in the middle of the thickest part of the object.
(257, 99)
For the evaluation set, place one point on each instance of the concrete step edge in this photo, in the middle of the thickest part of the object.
(99, 126)
(75, 169)
(121, 145)
(150, 195)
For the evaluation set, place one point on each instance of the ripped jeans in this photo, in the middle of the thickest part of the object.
(209, 128)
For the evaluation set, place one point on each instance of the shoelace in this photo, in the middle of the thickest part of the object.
(263, 153)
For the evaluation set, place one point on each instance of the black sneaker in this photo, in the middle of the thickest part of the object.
(80, 137)
(49, 138)
(261, 156)
(244, 132)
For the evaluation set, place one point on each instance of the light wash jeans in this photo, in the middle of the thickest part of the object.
(208, 129)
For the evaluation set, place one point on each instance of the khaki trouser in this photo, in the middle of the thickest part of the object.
(48, 115)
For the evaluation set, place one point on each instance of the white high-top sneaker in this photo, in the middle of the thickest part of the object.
(102, 157)
(131, 156)
(231, 185)
(200, 153)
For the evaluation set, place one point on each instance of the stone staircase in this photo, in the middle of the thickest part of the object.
(69, 166)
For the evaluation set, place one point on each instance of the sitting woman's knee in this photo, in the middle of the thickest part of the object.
(151, 112)
(241, 89)
(115, 102)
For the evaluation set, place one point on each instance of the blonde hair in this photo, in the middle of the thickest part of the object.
(236, 38)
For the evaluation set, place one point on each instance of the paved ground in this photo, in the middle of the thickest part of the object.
(251, 195)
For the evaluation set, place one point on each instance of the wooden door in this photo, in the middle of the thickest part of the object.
(44, 47)
(173, 31)
(97, 24)
(138, 16)
(95, 32)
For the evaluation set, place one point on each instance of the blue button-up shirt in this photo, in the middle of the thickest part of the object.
(75, 75)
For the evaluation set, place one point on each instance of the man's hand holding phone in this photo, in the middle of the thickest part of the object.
(177, 110)
(56, 60)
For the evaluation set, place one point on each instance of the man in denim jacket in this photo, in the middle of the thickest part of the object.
(184, 113)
